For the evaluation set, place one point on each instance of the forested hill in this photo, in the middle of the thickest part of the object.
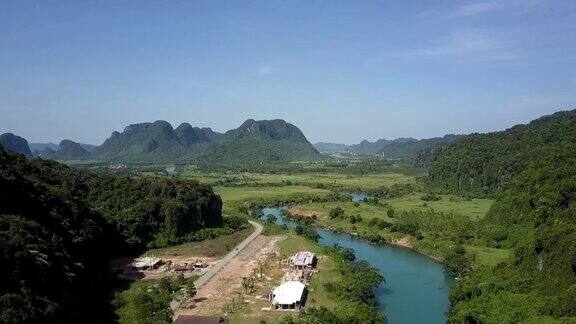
(369, 148)
(480, 164)
(16, 144)
(535, 216)
(252, 142)
(531, 171)
(260, 141)
(59, 225)
(409, 149)
(418, 152)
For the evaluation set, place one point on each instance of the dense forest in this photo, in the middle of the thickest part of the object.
(531, 170)
(535, 216)
(59, 226)
(481, 164)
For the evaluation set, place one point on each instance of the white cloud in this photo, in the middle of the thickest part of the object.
(469, 45)
(264, 70)
(517, 7)
(477, 8)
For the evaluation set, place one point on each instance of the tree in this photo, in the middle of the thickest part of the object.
(336, 213)
(190, 287)
(457, 260)
(271, 219)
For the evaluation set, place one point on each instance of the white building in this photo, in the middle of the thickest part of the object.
(289, 295)
(303, 260)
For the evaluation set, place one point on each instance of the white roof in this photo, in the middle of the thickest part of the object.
(288, 293)
(303, 258)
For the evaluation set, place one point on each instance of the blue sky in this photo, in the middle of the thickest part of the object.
(340, 70)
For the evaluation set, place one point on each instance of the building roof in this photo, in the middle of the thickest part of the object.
(288, 293)
(304, 258)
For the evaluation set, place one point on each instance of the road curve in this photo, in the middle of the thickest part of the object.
(218, 266)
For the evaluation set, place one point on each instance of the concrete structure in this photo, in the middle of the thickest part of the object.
(146, 262)
(289, 295)
(303, 260)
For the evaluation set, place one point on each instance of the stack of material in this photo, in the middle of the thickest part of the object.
(184, 267)
(146, 262)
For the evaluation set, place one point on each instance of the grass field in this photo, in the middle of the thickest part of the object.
(230, 194)
(209, 248)
(488, 256)
(368, 181)
(474, 208)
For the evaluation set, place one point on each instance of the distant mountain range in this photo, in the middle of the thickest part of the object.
(252, 142)
(331, 148)
(400, 148)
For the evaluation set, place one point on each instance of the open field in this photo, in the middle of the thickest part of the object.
(489, 256)
(233, 196)
(230, 194)
(368, 181)
(473, 209)
(212, 248)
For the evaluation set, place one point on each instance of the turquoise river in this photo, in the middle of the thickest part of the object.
(416, 288)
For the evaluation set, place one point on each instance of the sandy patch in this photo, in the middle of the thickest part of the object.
(306, 213)
(227, 283)
(404, 241)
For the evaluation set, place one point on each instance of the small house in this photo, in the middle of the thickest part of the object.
(289, 295)
(303, 260)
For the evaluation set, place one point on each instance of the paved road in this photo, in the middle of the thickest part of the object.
(218, 266)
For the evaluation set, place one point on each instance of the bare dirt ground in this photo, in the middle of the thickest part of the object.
(208, 251)
(404, 241)
(306, 213)
(226, 284)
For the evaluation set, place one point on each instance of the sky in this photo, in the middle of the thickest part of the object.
(342, 71)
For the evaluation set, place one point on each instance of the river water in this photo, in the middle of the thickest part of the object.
(416, 288)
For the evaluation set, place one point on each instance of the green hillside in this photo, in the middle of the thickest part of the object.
(369, 148)
(252, 142)
(480, 164)
(146, 141)
(59, 226)
(260, 141)
(531, 170)
(16, 144)
(409, 149)
(534, 215)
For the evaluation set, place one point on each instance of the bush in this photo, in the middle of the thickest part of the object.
(431, 197)
(336, 213)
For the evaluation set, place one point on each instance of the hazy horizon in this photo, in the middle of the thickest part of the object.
(340, 71)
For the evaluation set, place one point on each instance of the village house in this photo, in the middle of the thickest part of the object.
(303, 260)
(289, 295)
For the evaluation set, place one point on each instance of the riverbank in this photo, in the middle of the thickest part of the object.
(404, 242)
(427, 230)
(411, 277)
